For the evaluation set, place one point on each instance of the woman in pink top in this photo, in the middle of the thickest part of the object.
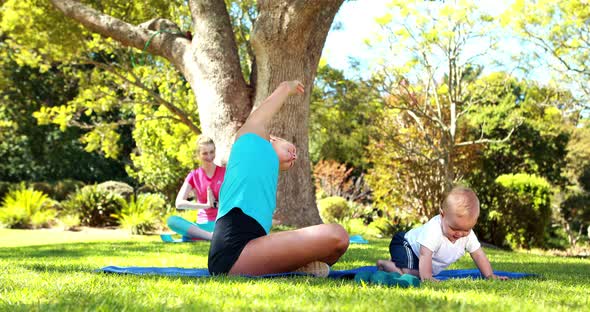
(204, 183)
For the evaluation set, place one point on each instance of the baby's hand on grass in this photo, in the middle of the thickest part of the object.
(496, 277)
(430, 279)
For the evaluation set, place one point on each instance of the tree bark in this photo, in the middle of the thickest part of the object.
(223, 97)
(287, 40)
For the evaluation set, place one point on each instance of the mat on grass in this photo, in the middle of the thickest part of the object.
(169, 238)
(348, 274)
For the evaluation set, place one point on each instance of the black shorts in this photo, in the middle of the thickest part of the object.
(401, 252)
(231, 234)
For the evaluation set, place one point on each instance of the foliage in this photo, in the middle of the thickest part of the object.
(58, 190)
(537, 146)
(334, 179)
(575, 208)
(5, 187)
(559, 31)
(70, 222)
(384, 227)
(63, 188)
(26, 208)
(94, 206)
(522, 198)
(140, 214)
(165, 151)
(341, 110)
(333, 208)
(41, 153)
(387, 226)
(419, 145)
(356, 226)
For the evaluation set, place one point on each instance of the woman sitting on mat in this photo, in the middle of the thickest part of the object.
(241, 243)
(205, 183)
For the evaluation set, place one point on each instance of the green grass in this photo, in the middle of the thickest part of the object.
(53, 270)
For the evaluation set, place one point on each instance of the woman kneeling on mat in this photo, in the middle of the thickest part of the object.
(241, 243)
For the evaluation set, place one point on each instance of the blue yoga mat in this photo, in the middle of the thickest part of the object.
(348, 274)
(357, 239)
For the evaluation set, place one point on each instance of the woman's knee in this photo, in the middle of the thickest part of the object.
(338, 236)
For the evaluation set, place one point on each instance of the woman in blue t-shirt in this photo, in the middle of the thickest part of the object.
(241, 243)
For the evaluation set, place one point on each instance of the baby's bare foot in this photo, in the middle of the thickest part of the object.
(388, 266)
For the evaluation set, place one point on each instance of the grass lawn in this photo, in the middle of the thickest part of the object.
(53, 270)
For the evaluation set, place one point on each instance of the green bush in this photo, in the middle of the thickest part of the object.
(333, 209)
(62, 189)
(387, 226)
(523, 209)
(94, 206)
(58, 190)
(5, 187)
(356, 226)
(140, 215)
(122, 189)
(44, 187)
(26, 208)
(70, 222)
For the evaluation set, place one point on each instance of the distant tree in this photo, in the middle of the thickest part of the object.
(537, 147)
(575, 208)
(341, 113)
(561, 31)
(421, 139)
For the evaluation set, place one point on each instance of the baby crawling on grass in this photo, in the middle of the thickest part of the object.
(427, 250)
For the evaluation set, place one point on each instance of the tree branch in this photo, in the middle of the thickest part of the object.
(482, 141)
(182, 115)
(170, 45)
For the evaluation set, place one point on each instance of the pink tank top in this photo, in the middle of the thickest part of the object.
(199, 181)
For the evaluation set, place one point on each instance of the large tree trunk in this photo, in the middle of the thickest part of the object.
(287, 40)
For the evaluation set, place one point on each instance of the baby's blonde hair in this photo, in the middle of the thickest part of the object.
(462, 201)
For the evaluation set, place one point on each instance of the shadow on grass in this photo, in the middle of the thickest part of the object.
(87, 249)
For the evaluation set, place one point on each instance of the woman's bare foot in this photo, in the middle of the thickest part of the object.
(388, 266)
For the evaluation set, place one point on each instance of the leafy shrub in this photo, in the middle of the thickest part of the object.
(356, 226)
(122, 189)
(387, 227)
(5, 187)
(58, 190)
(575, 213)
(334, 179)
(70, 222)
(62, 189)
(26, 208)
(333, 209)
(94, 206)
(140, 215)
(44, 187)
(523, 209)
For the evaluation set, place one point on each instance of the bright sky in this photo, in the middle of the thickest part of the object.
(357, 23)
(357, 20)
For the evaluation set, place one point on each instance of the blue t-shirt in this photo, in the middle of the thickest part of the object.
(251, 178)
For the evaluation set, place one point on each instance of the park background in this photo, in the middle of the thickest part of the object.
(408, 99)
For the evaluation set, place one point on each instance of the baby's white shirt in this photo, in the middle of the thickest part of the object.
(444, 253)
